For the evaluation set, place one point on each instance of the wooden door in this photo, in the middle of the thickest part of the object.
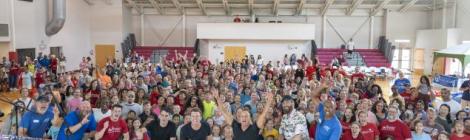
(234, 53)
(439, 66)
(22, 53)
(418, 63)
(102, 53)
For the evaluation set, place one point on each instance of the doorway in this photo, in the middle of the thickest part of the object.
(103, 53)
(402, 56)
(22, 53)
(234, 53)
(56, 51)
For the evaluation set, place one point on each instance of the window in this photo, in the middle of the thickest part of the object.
(402, 55)
(402, 41)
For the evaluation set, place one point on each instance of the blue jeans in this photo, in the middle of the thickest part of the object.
(12, 81)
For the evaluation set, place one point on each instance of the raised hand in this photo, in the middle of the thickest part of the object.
(106, 125)
(85, 119)
(270, 98)
(56, 110)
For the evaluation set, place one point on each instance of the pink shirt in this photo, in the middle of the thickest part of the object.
(74, 103)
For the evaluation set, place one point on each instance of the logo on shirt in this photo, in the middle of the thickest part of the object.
(114, 130)
(388, 128)
(327, 128)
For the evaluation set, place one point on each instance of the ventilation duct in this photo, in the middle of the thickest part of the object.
(58, 17)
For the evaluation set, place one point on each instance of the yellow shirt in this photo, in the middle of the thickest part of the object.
(209, 108)
(273, 132)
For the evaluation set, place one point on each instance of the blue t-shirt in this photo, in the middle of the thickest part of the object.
(327, 129)
(466, 93)
(36, 124)
(244, 98)
(423, 136)
(73, 119)
(400, 84)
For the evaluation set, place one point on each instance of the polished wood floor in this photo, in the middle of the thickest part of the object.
(5, 107)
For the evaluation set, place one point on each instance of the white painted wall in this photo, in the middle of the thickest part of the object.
(406, 25)
(107, 24)
(256, 31)
(269, 49)
(84, 27)
(74, 36)
(463, 18)
(5, 11)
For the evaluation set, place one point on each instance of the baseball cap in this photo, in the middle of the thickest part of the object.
(43, 98)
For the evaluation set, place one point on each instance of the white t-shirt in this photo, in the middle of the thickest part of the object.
(350, 45)
(454, 106)
(100, 115)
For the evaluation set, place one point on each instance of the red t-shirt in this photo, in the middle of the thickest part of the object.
(455, 137)
(153, 97)
(406, 96)
(115, 129)
(310, 70)
(15, 70)
(346, 129)
(40, 78)
(350, 137)
(312, 129)
(95, 95)
(53, 64)
(396, 129)
(369, 131)
(357, 75)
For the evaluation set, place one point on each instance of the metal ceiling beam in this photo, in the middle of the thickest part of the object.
(328, 3)
(408, 5)
(135, 6)
(201, 6)
(177, 4)
(379, 7)
(300, 7)
(354, 6)
(226, 7)
(250, 6)
(281, 6)
(275, 7)
(156, 5)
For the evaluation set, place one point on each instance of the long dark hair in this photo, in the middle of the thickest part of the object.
(198, 102)
(449, 120)
(374, 107)
(353, 117)
(425, 79)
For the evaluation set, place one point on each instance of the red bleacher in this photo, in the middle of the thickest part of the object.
(147, 51)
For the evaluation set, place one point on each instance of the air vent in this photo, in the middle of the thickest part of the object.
(4, 30)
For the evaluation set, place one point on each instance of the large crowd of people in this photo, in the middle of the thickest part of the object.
(193, 98)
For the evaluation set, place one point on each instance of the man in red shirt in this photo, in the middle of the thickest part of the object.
(40, 77)
(357, 74)
(112, 127)
(310, 70)
(393, 127)
(368, 130)
(13, 75)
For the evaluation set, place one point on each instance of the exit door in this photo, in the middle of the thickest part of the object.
(22, 53)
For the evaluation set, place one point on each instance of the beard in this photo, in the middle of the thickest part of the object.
(392, 117)
(286, 110)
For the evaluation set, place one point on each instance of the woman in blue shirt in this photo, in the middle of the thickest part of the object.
(418, 134)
